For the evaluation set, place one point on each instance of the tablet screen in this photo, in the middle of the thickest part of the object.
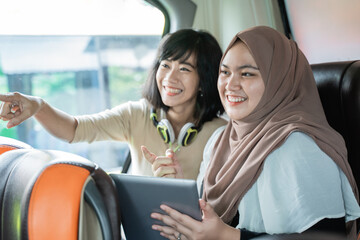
(139, 196)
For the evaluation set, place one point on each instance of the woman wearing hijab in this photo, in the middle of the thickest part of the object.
(278, 163)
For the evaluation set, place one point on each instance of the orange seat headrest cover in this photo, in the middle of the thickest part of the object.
(54, 204)
(5, 148)
(7, 144)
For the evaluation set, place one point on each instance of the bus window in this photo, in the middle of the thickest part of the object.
(80, 56)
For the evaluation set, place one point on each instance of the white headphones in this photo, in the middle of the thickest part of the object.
(187, 133)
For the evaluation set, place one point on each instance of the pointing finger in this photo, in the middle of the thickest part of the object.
(148, 155)
(8, 97)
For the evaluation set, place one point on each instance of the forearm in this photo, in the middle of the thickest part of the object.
(56, 122)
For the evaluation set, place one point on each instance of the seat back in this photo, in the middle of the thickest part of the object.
(7, 144)
(339, 88)
(55, 195)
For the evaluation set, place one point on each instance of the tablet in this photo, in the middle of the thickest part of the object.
(139, 196)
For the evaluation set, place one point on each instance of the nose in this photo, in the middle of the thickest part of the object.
(233, 83)
(171, 76)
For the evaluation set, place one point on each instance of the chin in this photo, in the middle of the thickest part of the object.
(234, 114)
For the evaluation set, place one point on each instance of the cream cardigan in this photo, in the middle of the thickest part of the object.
(130, 122)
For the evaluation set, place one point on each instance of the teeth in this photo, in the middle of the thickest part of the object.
(172, 90)
(236, 99)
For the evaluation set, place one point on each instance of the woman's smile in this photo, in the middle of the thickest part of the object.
(233, 100)
(172, 91)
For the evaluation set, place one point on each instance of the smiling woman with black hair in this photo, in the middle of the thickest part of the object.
(179, 110)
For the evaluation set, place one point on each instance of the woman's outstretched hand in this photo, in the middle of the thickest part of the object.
(181, 226)
(163, 166)
(16, 107)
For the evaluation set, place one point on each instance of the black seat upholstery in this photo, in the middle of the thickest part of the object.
(339, 89)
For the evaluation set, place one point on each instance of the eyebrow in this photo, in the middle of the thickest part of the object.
(189, 64)
(243, 66)
(182, 62)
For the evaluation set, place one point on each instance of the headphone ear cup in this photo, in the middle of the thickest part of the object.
(166, 131)
(187, 134)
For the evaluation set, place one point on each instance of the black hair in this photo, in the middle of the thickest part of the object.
(181, 45)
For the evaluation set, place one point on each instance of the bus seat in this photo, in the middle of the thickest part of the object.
(339, 88)
(55, 195)
(7, 144)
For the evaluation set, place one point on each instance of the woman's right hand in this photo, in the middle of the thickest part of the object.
(16, 107)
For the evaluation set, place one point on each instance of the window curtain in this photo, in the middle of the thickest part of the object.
(224, 18)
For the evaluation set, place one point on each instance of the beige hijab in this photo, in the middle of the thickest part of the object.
(290, 103)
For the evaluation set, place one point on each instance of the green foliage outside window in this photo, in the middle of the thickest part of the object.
(125, 84)
(46, 85)
(11, 133)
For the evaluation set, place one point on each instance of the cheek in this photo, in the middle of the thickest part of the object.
(220, 87)
(257, 91)
(157, 75)
(221, 90)
(158, 79)
(192, 84)
(260, 89)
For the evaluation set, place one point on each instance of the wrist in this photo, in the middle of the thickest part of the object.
(41, 104)
(230, 233)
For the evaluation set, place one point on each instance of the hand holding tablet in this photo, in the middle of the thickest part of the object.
(140, 196)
